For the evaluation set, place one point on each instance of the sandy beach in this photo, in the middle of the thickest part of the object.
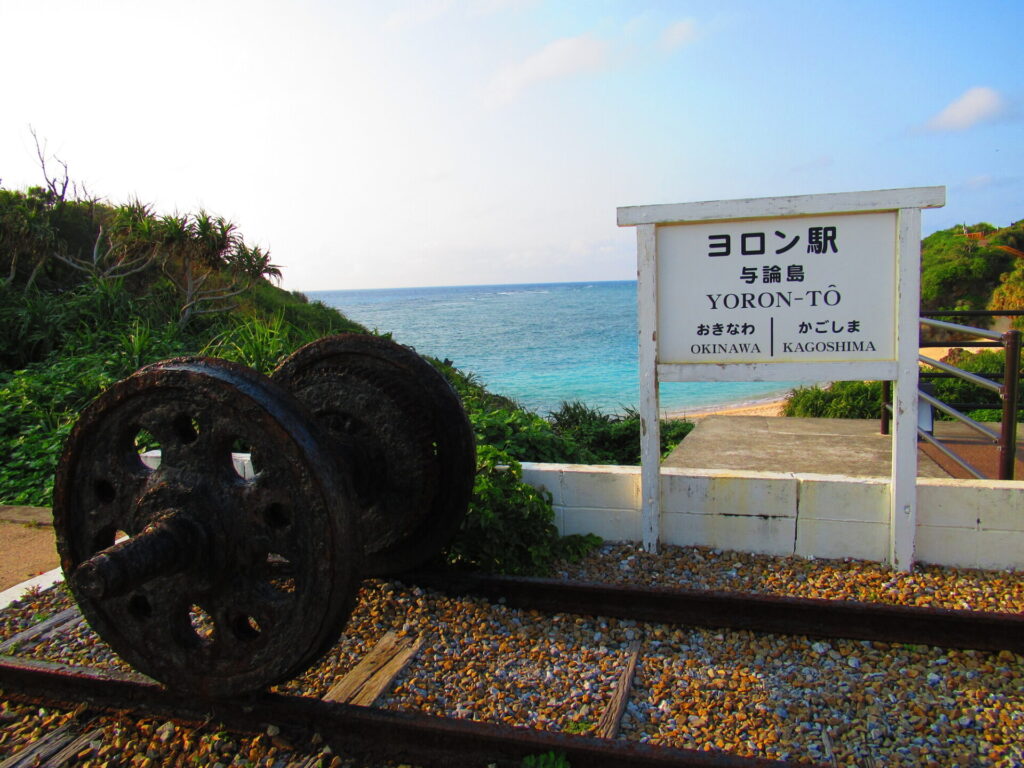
(766, 408)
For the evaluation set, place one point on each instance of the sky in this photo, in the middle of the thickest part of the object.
(465, 142)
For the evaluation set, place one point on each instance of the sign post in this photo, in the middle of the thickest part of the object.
(804, 288)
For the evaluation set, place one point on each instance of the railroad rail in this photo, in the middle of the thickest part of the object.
(950, 628)
(376, 733)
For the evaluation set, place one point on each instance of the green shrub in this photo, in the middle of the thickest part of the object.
(991, 414)
(510, 525)
(842, 400)
(955, 390)
(38, 406)
(524, 436)
(611, 439)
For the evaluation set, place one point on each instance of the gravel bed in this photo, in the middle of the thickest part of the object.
(839, 702)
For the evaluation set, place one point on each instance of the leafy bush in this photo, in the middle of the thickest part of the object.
(955, 390)
(862, 399)
(510, 525)
(611, 439)
(841, 400)
(38, 406)
(991, 414)
(501, 422)
(524, 436)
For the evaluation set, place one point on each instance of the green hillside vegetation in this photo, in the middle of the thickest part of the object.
(962, 273)
(91, 291)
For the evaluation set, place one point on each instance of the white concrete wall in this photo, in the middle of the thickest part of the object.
(963, 523)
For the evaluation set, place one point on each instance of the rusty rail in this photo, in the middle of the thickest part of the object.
(380, 734)
(980, 630)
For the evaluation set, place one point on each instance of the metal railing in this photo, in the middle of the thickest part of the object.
(1008, 391)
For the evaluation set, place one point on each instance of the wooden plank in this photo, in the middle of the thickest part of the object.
(375, 673)
(76, 746)
(608, 727)
(796, 205)
(57, 622)
(50, 744)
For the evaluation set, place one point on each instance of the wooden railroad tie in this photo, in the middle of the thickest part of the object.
(377, 670)
(608, 726)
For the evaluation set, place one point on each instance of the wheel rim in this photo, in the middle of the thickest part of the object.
(395, 417)
(252, 578)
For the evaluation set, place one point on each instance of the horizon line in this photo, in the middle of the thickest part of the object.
(466, 285)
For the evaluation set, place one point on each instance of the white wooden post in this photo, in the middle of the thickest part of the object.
(903, 488)
(650, 425)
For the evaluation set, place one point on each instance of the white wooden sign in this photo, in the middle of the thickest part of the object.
(812, 287)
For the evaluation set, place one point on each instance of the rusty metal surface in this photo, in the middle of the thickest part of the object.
(401, 427)
(225, 584)
(979, 630)
(419, 739)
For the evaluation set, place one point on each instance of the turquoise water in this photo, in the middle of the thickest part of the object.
(539, 344)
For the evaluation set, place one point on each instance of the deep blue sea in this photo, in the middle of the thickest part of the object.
(539, 344)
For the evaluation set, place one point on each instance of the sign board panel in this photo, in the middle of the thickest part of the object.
(795, 289)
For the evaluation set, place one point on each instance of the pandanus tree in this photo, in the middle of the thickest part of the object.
(127, 241)
(209, 263)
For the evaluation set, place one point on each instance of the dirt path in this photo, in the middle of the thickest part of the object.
(27, 544)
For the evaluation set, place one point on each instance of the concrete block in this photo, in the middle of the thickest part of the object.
(949, 503)
(1000, 550)
(963, 523)
(242, 462)
(1002, 506)
(684, 530)
(760, 534)
(560, 519)
(945, 545)
(609, 524)
(600, 487)
(546, 477)
(840, 498)
(769, 494)
(842, 538)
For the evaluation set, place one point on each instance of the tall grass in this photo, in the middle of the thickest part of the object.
(253, 341)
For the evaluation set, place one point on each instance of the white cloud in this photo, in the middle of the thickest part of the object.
(977, 105)
(562, 58)
(678, 34)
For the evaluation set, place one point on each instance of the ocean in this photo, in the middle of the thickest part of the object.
(540, 344)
